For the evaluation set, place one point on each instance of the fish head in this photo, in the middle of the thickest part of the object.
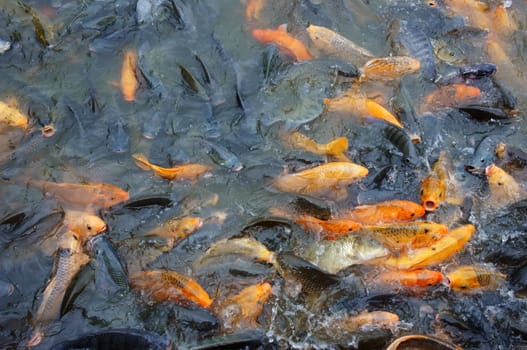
(433, 193)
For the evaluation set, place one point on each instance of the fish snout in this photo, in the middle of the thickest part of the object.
(430, 205)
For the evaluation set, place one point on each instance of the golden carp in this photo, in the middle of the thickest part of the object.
(160, 285)
(504, 189)
(186, 171)
(242, 310)
(453, 95)
(389, 68)
(386, 212)
(470, 279)
(12, 116)
(335, 148)
(327, 229)
(177, 229)
(441, 250)
(335, 45)
(410, 279)
(128, 82)
(85, 225)
(365, 321)
(238, 246)
(437, 187)
(96, 195)
(328, 180)
(287, 44)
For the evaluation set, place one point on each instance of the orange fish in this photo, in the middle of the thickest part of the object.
(434, 186)
(407, 235)
(476, 12)
(242, 310)
(416, 278)
(85, 195)
(128, 82)
(85, 225)
(334, 148)
(285, 42)
(385, 212)
(361, 106)
(504, 189)
(186, 171)
(237, 246)
(503, 23)
(471, 279)
(366, 321)
(177, 229)
(12, 116)
(452, 95)
(328, 180)
(162, 285)
(331, 229)
(253, 9)
(389, 68)
(444, 248)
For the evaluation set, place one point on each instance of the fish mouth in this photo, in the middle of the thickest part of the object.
(430, 205)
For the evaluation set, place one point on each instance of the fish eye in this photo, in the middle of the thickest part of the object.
(500, 183)
(412, 214)
(431, 3)
(89, 227)
(427, 230)
(463, 286)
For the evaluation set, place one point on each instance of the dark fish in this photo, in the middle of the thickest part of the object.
(40, 33)
(477, 71)
(110, 274)
(484, 113)
(246, 339)
(153, 125)
(192, 83)
(404, 107)
(117, 339)
(400, 139)
(419, 46)
(271, 62)
(518, 280)
(222, 156)
(214, 90)
(118, 138)
(507, 98)
(137, 203)
(484, 155)
(6, 289)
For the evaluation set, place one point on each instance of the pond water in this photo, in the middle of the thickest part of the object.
(210, 93)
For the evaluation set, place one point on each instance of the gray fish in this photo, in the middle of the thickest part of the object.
(484, 155)
(6, 289)
(419, 46)
(110, 274)
(400, 139)
(117, 339)
(222, 156)
(118, 138)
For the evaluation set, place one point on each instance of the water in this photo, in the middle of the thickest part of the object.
(70, 83)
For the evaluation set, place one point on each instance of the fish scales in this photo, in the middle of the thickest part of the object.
(419, 46)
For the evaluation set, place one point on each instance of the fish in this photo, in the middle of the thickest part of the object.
(237, 246)
(111, 275)
(6, 289)
(336, 45)
(502, 22)
(419, 46)
(484, 154)
(177, 229)
(434, 186)
(327, 180)
(421, 342)
(68, 262)
(410, 279)
(96, 195)
(335, 148)
(404, 236)
(83, 224)
(389, 68)
(504, 189)
(160, 285)
(12, 117)
(186, 171)
(118, 137)
(333, 256)
(5, 45)
(222, 156)
(253, 10)
(400, 139)
(452, 95)
(287, 44)
(241, 310)
(449, 53)
(471, 279)
(117, 339)
(386, 212)
(128, 82)
(443, 249)
(364, 321)
(330, 229)
(477, 71)
(358, 105)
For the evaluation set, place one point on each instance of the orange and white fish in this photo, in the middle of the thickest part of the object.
(253, 10)
(84, 224)
(471, 279)
(174, 230)
(160, 285)
(186, 171)
(504, 189)
(443, 249)
(286, 43)
(386, 212)
(328, 180)
(242, 310)
(452, 95)
(438, 186)
(128, 82)
(409, 279)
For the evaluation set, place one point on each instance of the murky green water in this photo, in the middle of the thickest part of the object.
(66, 75)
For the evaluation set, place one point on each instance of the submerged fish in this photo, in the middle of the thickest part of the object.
(177, 229)
(504, 189)
(160, 285)
(111, 275)
(117, 339)
(128, 82)
(335, 148)
(364, 321)
(241, 310)
(389, 68)
(118, 139)
(186, 171)
(97, 195)
(68, 262)
(334, 44)
(12, 116)
(391, 211)
(470, 279)
(453, 95)
(286, 43)
(444, 248)
(222, 156)
(327, 180)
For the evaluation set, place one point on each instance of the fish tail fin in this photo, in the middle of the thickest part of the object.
(337, 146)
(378, 111)
(142, 162)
